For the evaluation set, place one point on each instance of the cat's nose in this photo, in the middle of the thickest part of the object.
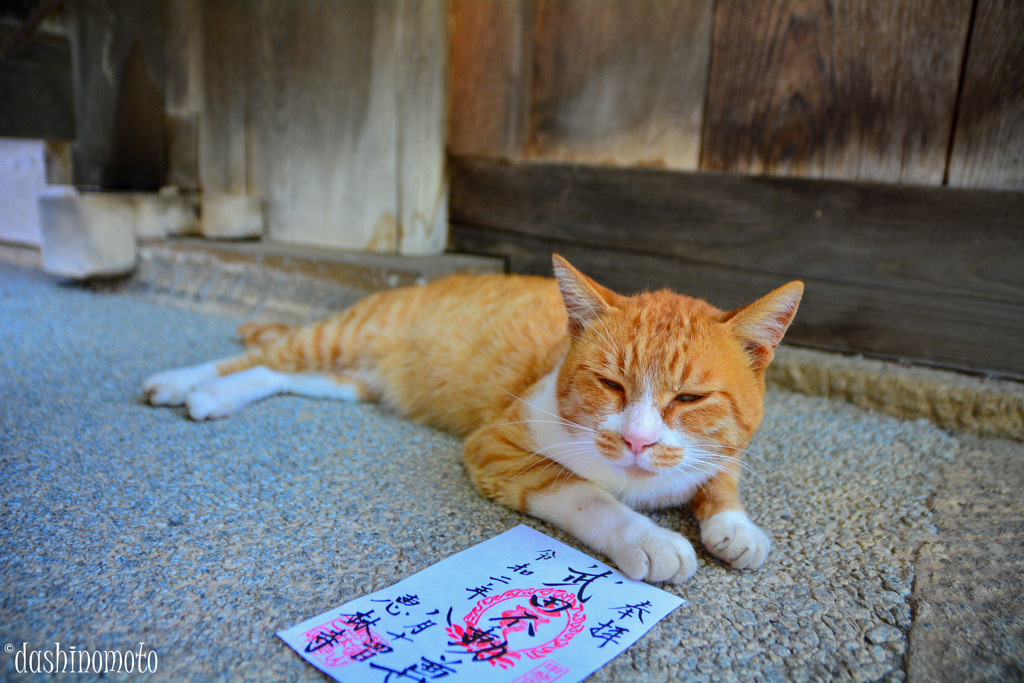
(637, 443)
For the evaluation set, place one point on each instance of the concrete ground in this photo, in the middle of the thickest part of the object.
(898, 546)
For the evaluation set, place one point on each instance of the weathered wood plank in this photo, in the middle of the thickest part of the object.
(956, 332)
(36, 97)
(988, 144)
(227, 48)
(489, 76)
(183, 50)
(620, 82)
(422, 184)
(925, 273)
(939, 240)
(301, 109)
(835, 88)
(334, 113)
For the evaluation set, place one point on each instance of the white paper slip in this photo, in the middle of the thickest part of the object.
(518, 608)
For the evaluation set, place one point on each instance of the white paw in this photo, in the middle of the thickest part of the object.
(210, 402)
(171, 387)
(733, 538)
(654, 554)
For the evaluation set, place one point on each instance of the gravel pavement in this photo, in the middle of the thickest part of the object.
(124, 523)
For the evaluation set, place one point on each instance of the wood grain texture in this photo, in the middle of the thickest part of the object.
(227, 49)
(489, 76)
(988, 144)
(835, 88)
(300, 109)
(36, 97)
(931, 274)
(422, 105)
(333, 112)
(620, 82)
(183, 79)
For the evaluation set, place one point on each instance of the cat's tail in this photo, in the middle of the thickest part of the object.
(261, 334)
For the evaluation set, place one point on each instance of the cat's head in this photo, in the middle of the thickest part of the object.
(659, 378)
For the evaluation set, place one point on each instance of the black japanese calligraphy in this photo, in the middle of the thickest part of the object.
(581, 579)
(373, 647)
(608, 632)
(417, 628)
(484, 644)
(638, 610)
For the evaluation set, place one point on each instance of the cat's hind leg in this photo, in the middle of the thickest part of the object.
(225, 395)
(262, 334)
(281, 359)
(170, 388)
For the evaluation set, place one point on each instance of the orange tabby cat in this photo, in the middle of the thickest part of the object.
(579, 405)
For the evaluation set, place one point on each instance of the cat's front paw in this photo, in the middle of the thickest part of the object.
(734, 539)
(655, 554)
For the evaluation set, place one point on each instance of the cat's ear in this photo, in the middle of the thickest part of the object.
(760, 325)
(584, 299)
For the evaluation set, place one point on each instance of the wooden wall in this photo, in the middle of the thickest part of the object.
(874, 150)
(332, 113)
(988, 144)
(925, 92)
(610, 82)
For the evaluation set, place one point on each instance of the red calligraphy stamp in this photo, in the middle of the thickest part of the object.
(545, 673)
(344, 640)
(527, 621)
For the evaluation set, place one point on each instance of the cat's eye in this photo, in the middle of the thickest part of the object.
(689, 398)
(611, 385)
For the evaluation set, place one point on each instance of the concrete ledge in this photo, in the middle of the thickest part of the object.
(980, 405)
(21, 255)
(282, 283)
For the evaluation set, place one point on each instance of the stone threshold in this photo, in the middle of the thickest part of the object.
(294, 285)
(268, 282)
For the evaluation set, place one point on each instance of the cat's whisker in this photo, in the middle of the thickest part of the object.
(557, 417)
(523, 469)
(595, 315)
(596, 345)
(519, 422)
(715, 467)
(530, 464)
(736, 449)
(581, 445)
(570, 472)
(550, 463)
(709, 457)
(526, 462)
(752, 454)
(613, 354)
(713, 474)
